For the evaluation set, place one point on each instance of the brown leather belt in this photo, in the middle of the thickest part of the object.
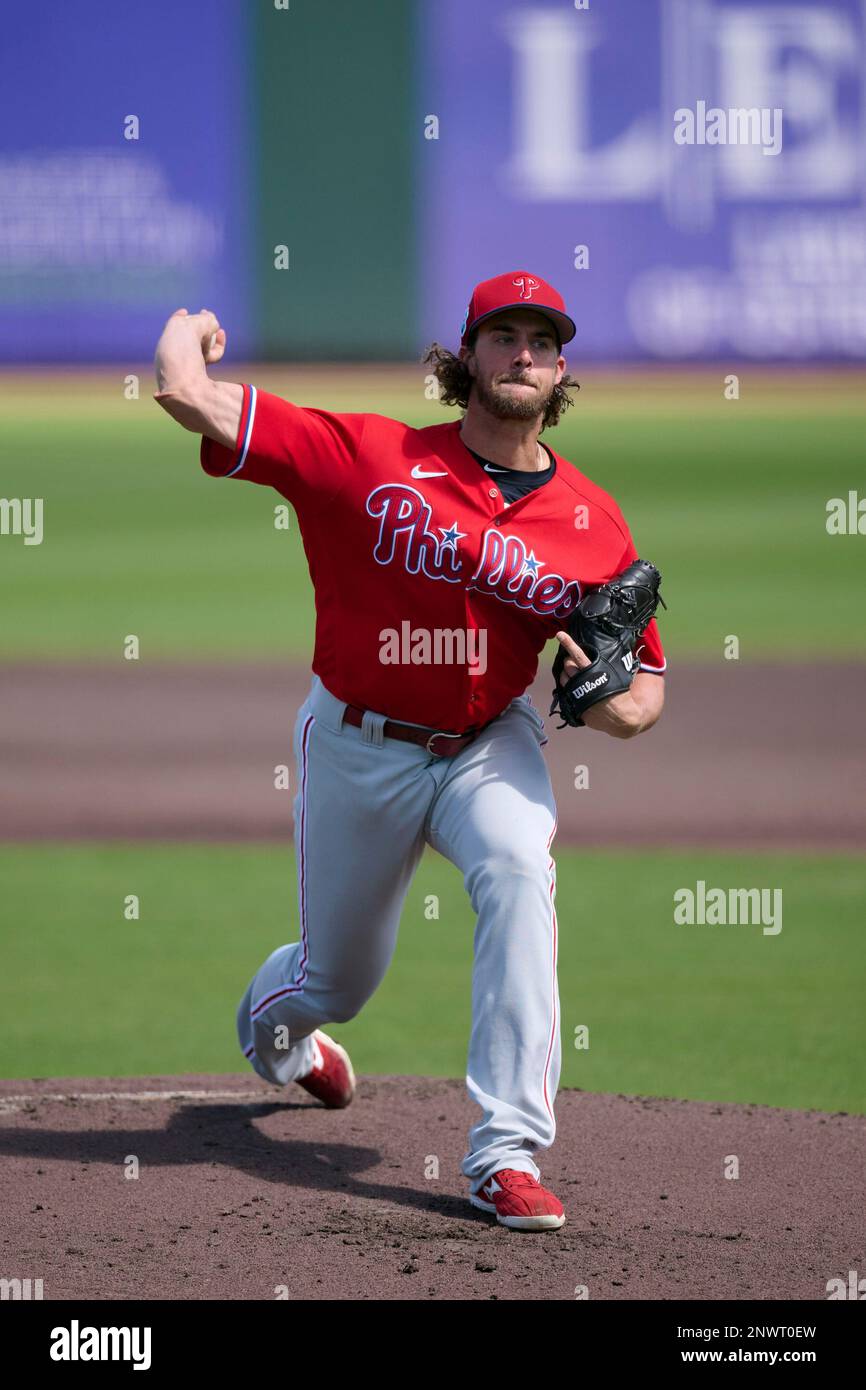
(454, 745)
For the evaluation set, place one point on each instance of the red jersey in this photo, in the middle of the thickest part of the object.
(434, 596)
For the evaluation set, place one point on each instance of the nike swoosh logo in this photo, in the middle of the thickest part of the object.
(418, 472)
(488, 468)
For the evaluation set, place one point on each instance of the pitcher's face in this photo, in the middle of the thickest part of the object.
(515, 364)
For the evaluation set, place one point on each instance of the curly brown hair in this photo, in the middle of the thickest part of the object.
(455, 383)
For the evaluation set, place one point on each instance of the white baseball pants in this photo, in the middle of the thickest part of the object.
(365, 808)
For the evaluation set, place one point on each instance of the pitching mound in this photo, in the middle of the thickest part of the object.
(243, 1191)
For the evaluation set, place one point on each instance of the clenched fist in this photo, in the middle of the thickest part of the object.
(188, 344)
(205, 326)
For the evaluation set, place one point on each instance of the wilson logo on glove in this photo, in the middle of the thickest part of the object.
(590, 685)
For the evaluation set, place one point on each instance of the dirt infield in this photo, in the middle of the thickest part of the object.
(745, 757)
(242, 1188)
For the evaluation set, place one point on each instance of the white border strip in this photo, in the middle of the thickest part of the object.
(12, 1103)
(247, 434)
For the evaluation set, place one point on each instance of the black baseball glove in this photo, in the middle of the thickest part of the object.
(607, 624)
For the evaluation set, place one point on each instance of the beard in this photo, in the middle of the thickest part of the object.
(498, 401)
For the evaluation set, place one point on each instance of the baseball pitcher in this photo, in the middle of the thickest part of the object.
(443, 560)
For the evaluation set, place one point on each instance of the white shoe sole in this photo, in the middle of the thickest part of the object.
(519, 1223)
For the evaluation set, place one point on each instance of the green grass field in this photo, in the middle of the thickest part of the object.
(728, 498)
(711, 1013)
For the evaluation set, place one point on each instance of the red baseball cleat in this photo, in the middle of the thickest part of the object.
(332, 1080)
(518, 1200)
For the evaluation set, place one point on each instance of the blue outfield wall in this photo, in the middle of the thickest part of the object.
(401, 152)
(558, 131)
(101, 236)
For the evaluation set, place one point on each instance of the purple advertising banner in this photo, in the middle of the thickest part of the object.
(689, 173)
(123, 175)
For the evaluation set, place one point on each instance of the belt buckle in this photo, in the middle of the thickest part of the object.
(432, 751)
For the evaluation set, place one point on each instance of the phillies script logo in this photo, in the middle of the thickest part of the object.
(505, 571)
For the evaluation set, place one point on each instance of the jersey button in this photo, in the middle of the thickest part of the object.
(493, 492)
(473, 699)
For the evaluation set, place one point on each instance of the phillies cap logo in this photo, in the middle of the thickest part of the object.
(527, 285)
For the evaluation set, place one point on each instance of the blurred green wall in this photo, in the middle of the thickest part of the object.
(334, 179)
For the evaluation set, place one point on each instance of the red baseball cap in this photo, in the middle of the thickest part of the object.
(517, 290)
